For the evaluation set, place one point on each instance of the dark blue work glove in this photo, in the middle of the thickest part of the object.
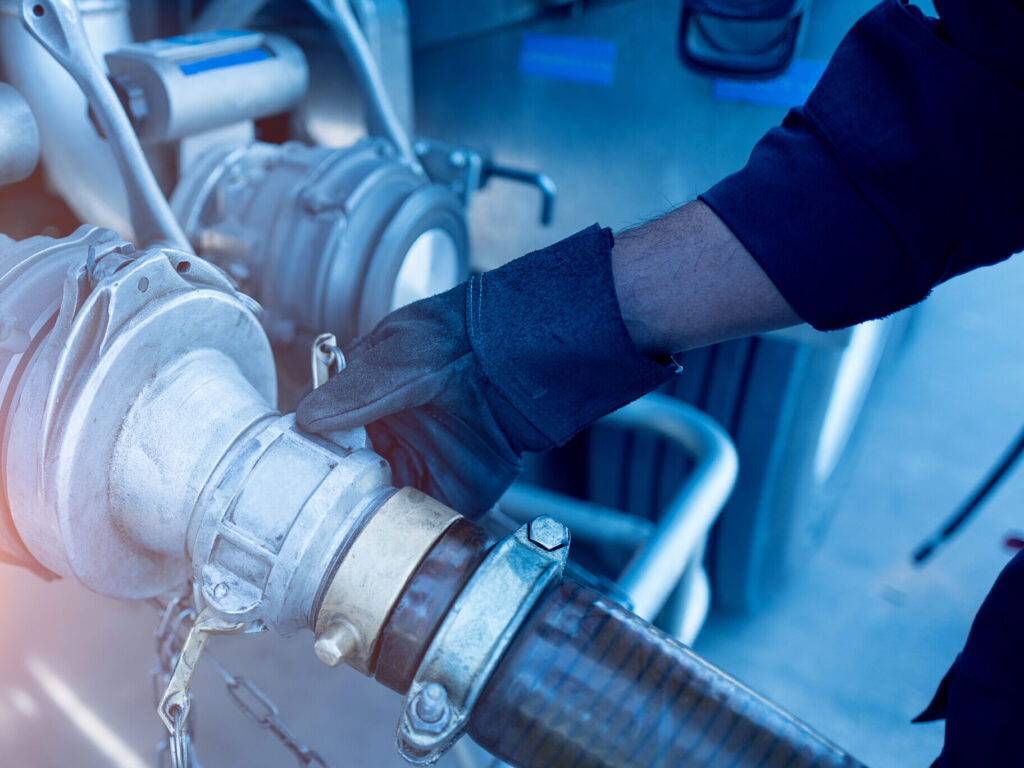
(455, 388)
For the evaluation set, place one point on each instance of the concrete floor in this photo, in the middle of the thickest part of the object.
(855, 646)
(858, 644)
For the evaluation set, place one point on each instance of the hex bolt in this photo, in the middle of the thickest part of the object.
(547, 533)
(336, 642)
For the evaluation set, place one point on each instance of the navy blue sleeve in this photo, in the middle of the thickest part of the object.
(904, 168)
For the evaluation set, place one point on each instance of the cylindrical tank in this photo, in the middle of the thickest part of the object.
(19, 137)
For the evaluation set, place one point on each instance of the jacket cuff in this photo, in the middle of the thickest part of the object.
(902, 170)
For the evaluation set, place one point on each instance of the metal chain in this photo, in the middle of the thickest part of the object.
(254, 704)
(178, 750)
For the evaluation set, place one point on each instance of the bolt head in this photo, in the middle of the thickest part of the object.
(221, 590)
(548, 534)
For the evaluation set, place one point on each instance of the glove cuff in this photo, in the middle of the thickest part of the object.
(548, 334)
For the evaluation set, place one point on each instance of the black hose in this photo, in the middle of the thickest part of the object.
(973, 503)
(587, 684)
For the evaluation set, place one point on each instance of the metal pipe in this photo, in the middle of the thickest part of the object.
(57, 26)
(544, 184)
(77, 161)
(657, 567)
(676, 544)
(109, 480)
(586, 520)
(19, 137)
(342, 22)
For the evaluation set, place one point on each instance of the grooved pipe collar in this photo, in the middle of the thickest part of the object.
(373, 573)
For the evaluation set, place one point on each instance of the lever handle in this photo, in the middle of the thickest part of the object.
(541, 181)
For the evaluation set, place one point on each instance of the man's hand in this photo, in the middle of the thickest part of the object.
(455, 388)
(428, 408)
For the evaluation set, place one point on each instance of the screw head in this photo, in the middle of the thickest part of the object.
(221, 590)
(547, 533)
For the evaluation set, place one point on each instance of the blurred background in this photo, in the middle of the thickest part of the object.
(853, 447)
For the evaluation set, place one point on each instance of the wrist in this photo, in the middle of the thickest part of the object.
(548, 334)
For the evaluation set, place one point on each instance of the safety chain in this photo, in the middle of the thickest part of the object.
(178, 751)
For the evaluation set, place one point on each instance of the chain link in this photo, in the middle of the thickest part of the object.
(177, 750)
(257, 706)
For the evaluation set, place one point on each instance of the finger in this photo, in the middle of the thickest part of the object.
(365, 392)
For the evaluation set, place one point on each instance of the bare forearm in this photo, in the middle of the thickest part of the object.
(683, 280)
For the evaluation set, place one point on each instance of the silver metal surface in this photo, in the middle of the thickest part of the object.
(368, 233)
(385, 24)
(657, 567)
(857, 368)
(176, 101)
(175, 702)
(547, 533)
(431, 266)
(142, 447)
(587, 521)
(474, 635)
(340, 19)
(78, 162)
(19, 137)
(57, 25)
(325, 358)
(666, 567)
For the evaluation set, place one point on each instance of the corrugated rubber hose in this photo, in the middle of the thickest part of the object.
(587, 684)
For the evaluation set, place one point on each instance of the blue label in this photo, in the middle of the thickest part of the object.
(227, 60)
(575, 59)
(789, 89)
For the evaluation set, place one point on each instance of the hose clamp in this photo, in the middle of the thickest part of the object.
(475, 635)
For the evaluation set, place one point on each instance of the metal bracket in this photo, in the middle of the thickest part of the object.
(175, 702)
(57, 26)
(476, 633)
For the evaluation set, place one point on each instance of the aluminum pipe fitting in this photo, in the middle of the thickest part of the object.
(140, 443)
(325, 239)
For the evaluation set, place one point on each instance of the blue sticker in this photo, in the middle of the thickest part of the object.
(789, 89)
(227, 60)
(574, 59)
